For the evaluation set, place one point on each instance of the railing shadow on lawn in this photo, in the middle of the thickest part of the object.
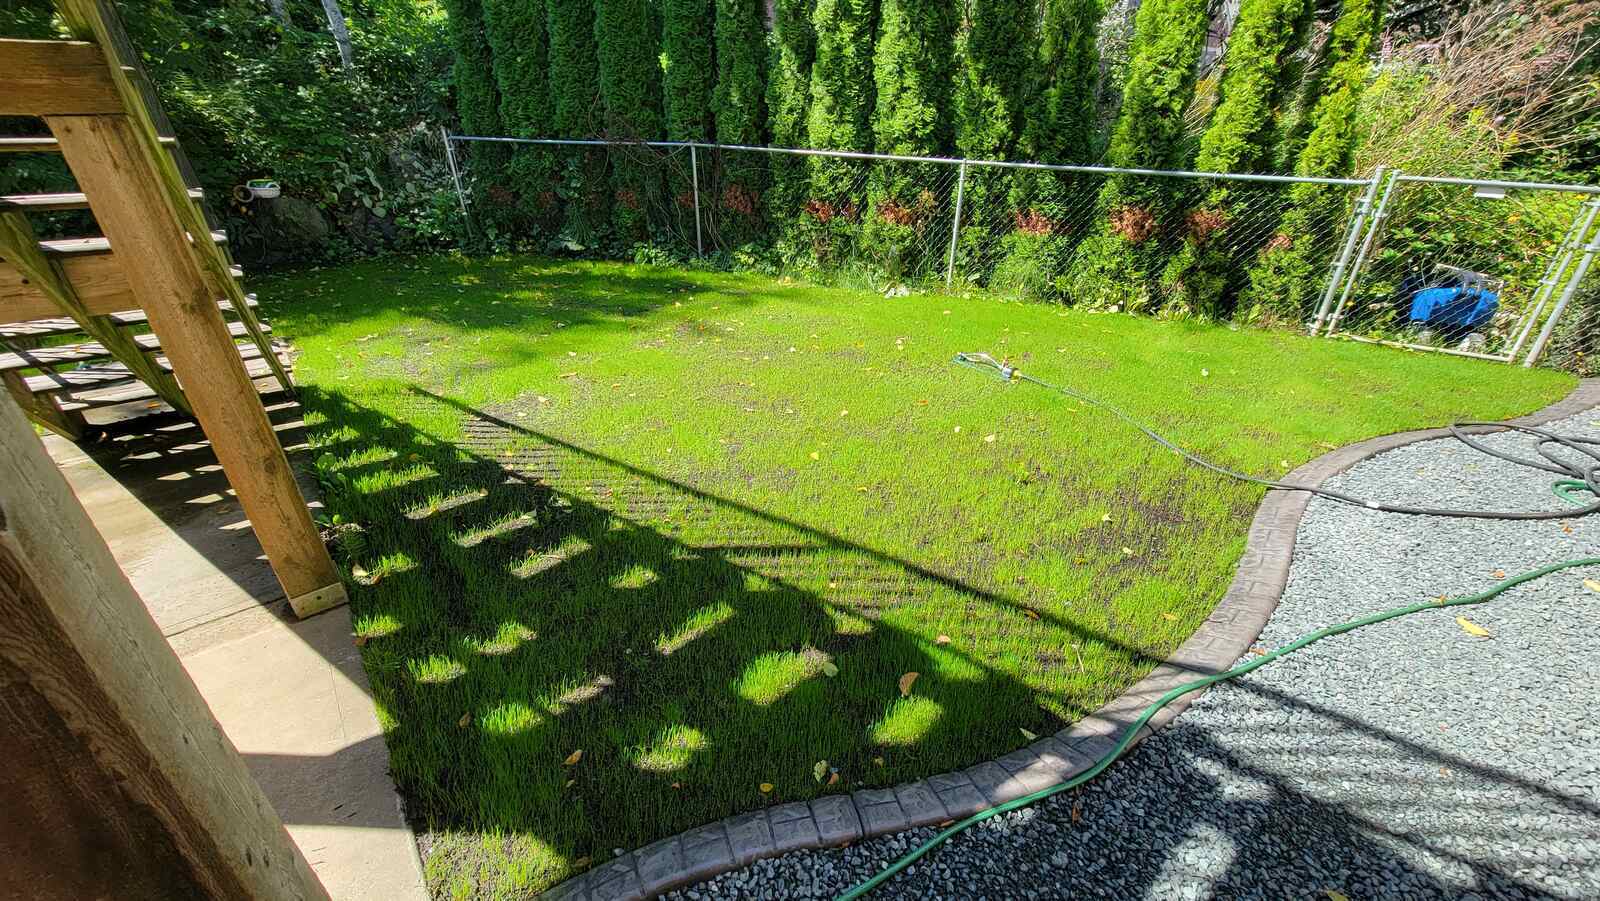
(523, 592)
(538, 604)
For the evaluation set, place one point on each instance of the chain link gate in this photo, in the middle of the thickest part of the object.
(1470, 267)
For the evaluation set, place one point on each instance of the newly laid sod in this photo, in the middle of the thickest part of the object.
(632, 549)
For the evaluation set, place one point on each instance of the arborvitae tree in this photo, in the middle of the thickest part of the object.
(478, 104)
(1286, 282)
(840, 116)
(794, 47)
(738, 180)
(911, 71)
(1059, 127)
(741, 72)
(687, 67)
(516, 32)
(575, 97)
(630, 93)
(1255, 78)
(1112, 266)
(996, 61)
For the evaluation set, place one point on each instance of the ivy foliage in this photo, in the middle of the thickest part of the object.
(1284, 283)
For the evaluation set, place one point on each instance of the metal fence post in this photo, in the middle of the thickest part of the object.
(1559, 261)
(694, 179)
(1376, 222)
(955, 227)
(461, 196)
(1570, 289)
(1336, 275)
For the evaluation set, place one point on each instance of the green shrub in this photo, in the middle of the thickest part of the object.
(575, 96)
(686, 27)
(990, 97)
(521, 50)
(630, 93)
(911, 72)
(839, 118)
(1113, 266)
(1255, 78)
(1059, 128)
(1284, 282)
(739, 102)
(793, 49)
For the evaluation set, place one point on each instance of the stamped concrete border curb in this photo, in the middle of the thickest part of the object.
(834, 820)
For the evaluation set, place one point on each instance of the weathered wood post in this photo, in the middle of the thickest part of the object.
(117, 780)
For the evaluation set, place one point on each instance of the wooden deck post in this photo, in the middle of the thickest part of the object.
(135, 213)
(117, 780)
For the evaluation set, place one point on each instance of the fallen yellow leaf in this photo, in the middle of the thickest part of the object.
(945, 639)
(573, 758)
(1472, 628)
(818, 770)
(465, 721)
(1498, 574)
(1169, 616)
(829, 669)
(906, 681)
(1335, 895)
(766, 788)
(878, 761)
(1591, 584)
(580, 863)
(834, 779)
(988, 439)
(1028, 735)
(815, 455)
(1030, 614)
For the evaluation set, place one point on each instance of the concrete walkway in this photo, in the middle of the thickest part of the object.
(291, 695)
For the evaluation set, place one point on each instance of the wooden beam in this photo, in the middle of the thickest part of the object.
(97, 277)
(42, 78)
(131, 204)
(117, 781)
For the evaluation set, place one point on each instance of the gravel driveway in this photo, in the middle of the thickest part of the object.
(1406, 760)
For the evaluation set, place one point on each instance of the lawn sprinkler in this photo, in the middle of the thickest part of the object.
(1584, 478)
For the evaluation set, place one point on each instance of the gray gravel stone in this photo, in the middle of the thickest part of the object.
(1405, 760)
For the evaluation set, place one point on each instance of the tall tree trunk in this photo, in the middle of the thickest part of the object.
(341, 34)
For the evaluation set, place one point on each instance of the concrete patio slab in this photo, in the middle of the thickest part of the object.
(291, 695)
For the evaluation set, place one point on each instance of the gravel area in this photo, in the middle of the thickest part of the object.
(1405, 760)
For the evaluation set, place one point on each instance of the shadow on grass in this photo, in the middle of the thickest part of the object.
(528, 599)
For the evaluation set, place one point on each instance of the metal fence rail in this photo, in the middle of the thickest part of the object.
(1368, 246)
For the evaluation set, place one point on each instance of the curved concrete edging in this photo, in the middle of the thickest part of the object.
(833, 820)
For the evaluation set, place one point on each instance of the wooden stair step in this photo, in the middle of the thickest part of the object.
(101, 376)
(258, 369)
(65, 325)
(44, 144)
(76, 246)
(63, 354)
(50, 203)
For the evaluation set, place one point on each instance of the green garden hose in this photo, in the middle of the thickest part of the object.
(1198, 684)
(1580, 478)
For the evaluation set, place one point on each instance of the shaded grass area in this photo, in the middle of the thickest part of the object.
(697, 526)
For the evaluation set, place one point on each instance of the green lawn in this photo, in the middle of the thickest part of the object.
(698, 526)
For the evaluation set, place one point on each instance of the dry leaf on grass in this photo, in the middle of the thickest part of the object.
(834, 779)
(1592, 585)
(1169, 616)
(1028, 735)
(1472, 628)
(906, 681)
(818, 770)
(573, 758)
(465, 721)
(766, 788)
(945, 639)
(828, 669)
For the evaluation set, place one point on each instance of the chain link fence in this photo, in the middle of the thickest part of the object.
(1462, 266)
(1469, 267)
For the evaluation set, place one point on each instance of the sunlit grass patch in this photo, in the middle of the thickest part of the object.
(628, 544)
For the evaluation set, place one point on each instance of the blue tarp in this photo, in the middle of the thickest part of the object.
(1459, 307)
